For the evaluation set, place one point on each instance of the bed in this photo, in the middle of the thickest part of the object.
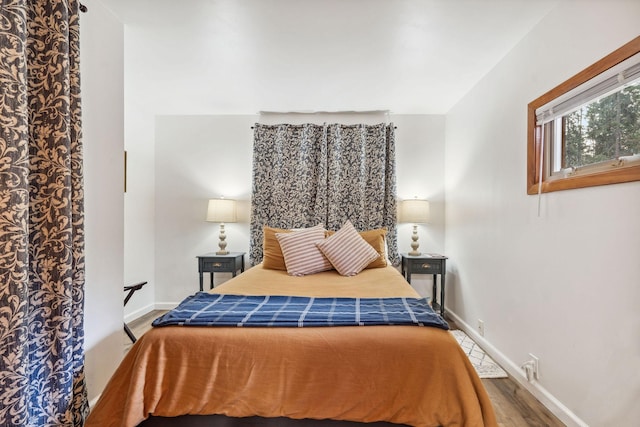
(407, 375)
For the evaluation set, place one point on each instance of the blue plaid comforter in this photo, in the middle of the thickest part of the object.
(204, 309)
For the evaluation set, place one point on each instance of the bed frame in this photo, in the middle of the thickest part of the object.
(223, 421)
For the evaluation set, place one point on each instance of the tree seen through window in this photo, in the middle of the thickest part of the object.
(604, 129)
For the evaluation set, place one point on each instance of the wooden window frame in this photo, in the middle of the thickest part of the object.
(622, 174)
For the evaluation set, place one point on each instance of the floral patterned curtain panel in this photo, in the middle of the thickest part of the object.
(304, 175)
(42, 379)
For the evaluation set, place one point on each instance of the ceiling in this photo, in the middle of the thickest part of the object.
(246, 56)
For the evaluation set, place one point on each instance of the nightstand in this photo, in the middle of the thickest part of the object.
(427, 264)
(213, 263)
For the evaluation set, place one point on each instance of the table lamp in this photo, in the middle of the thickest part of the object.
(221, 210)
(414, 211)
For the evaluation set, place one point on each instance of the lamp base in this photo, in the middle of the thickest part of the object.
(222, 241)
(414, 243)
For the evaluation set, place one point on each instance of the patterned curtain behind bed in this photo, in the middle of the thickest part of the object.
(304, 175)
(41, 216)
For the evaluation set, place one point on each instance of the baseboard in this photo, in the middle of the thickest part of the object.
(93, 401)
(138, 313)
(556, 407)
(166, 305)
(148, 309)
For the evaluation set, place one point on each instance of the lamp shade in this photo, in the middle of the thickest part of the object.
(221, 210)
(414, 211)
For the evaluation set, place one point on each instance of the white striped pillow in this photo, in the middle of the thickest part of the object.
(301, 255)
(348, 252)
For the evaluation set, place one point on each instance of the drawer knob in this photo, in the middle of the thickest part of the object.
(217, 264)
(426, 266)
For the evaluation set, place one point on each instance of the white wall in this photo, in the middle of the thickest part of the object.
(565, 285)
(139, 213)
(101, 63)
(420, 154)
(197, 158)
(201, 157)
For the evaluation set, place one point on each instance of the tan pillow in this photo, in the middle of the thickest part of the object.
(376, 238)
(348, 252)
(272, 257)
(301, 255)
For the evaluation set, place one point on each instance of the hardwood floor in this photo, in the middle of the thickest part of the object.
(140, 326)
(514, 406)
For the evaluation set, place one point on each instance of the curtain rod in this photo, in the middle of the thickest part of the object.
(305, 112)
(395, 127)
(83, 8)
(315, 113)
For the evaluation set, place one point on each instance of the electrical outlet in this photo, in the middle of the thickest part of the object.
(536, 366)
(481, 327)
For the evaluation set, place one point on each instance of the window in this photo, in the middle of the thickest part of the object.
(586, 131)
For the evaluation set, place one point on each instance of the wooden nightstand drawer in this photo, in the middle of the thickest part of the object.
(426, 267)
(218, 266)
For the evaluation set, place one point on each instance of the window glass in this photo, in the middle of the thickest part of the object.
(586, 131)
(602, 130)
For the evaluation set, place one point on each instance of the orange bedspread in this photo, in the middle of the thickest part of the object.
(402, 374)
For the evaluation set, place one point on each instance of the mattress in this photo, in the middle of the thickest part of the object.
(409, 375)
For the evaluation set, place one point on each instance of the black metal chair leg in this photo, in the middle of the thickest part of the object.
(131, 289)
(129, 333)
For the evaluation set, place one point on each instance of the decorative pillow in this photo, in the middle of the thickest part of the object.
(377, 239)
(348, 252)
(301, 255)
(272, 257)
